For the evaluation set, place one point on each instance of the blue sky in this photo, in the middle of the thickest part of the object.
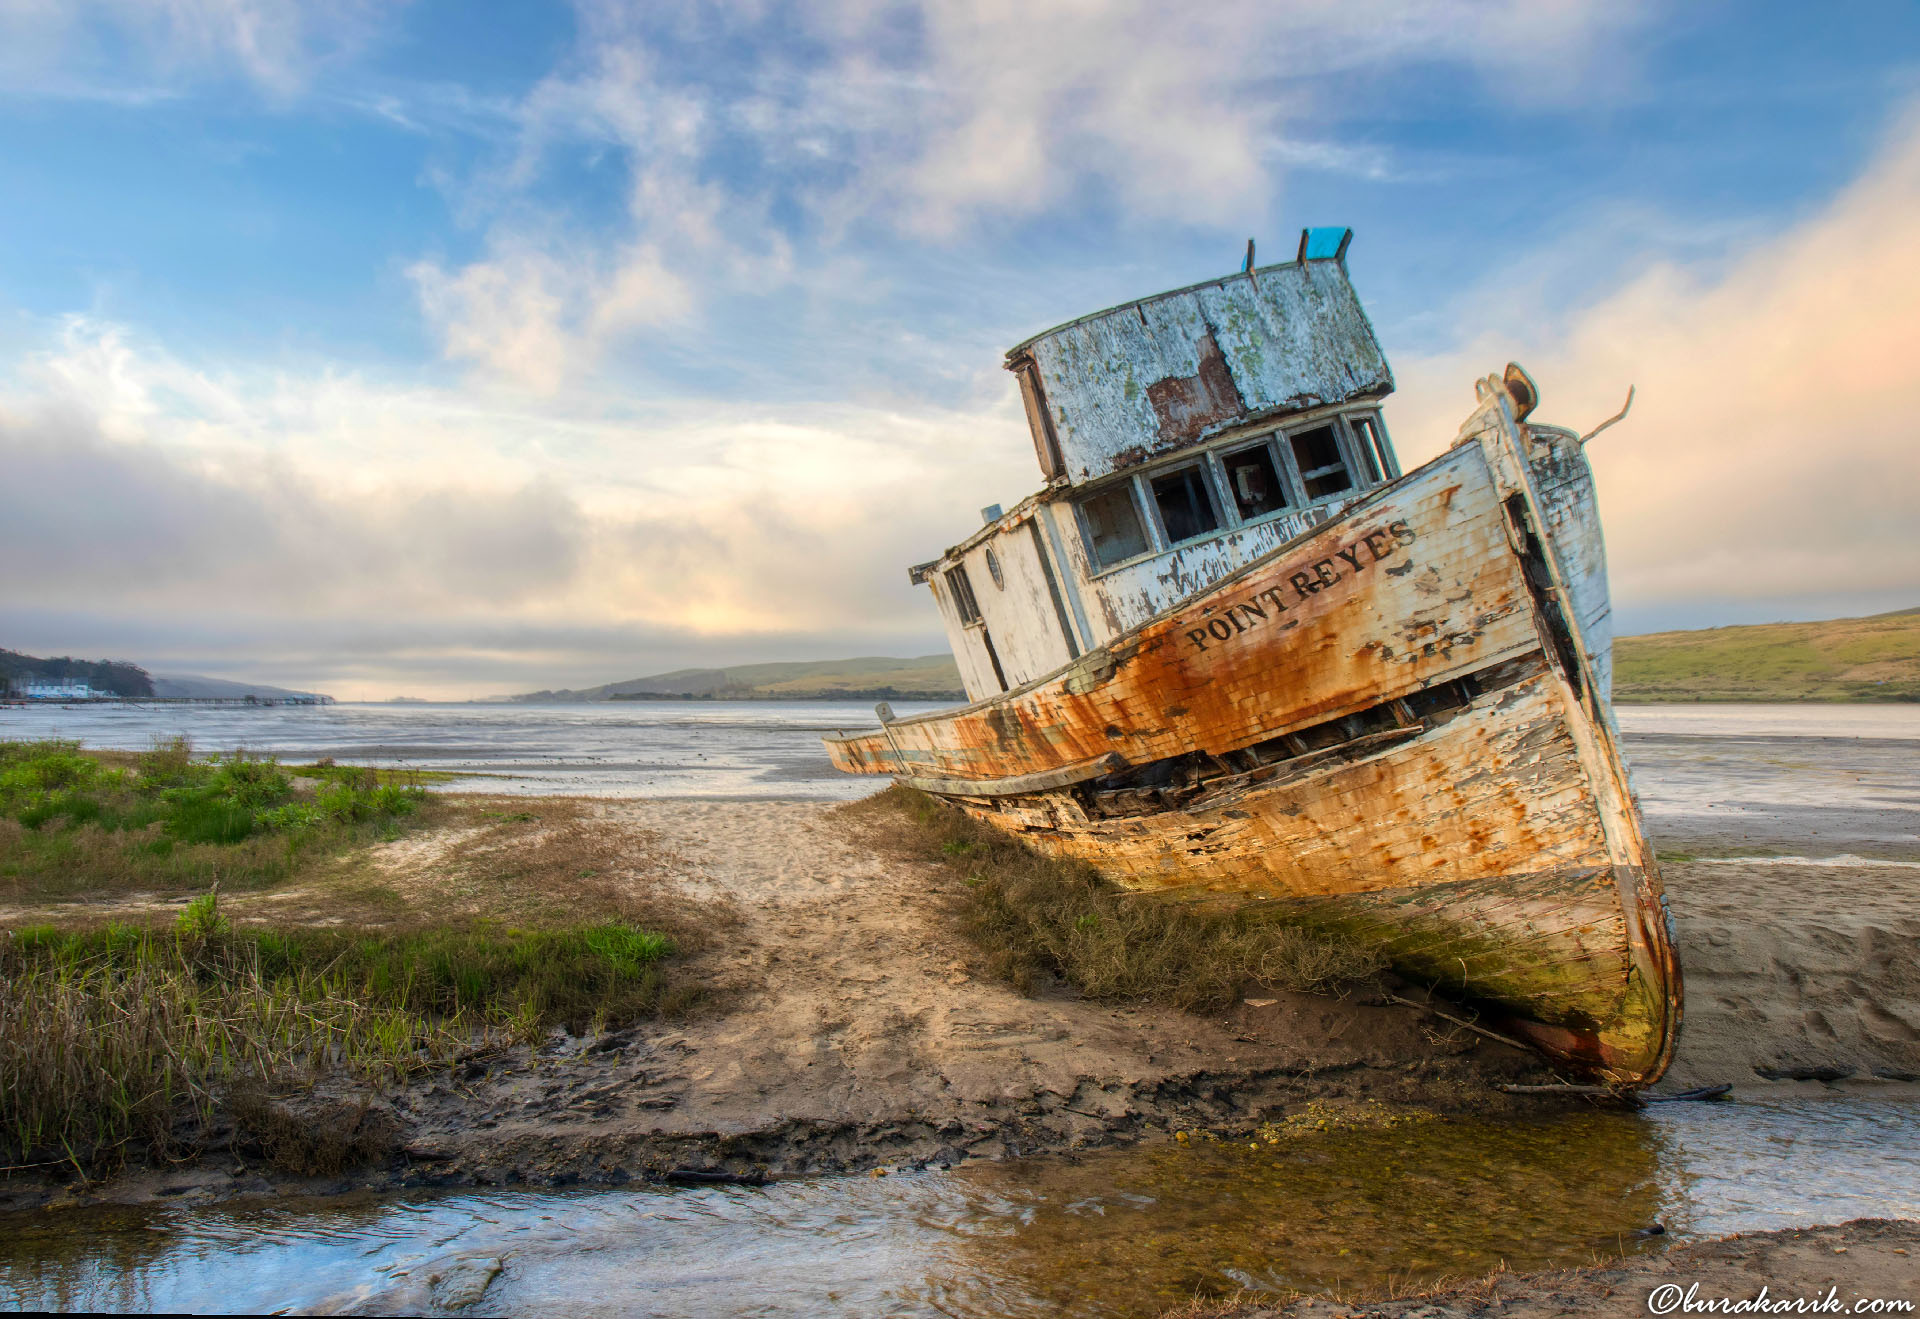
(452, 349)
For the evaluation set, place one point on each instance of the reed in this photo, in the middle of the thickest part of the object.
(1034, 916)
(122, 1036)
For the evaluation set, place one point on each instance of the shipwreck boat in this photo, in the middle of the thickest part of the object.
(1231, 653)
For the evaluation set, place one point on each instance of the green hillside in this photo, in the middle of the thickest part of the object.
(869, 677)
(1843, 659)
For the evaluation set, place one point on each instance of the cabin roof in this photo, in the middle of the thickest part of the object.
(1109, 390)
(1314, 246)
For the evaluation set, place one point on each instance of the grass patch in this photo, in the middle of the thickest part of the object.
(125, 1036)
(325, 769)
(73, 821)
(1034, 916)
(1844, 659)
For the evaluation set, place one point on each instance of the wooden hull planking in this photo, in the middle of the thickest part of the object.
(1389, 729)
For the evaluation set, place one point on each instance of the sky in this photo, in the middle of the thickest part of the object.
(451, 350)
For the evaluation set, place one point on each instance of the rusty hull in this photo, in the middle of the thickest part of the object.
(1390, 728)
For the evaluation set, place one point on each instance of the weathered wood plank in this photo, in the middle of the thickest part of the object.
(1495, 791)
(1020, 784)
(1134, 382)
(1474, 855)
(1413, 586)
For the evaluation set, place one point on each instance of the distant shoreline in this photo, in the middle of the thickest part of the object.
(55, 703)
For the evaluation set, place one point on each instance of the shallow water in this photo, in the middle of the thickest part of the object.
(1688, 759)
(1116, 1233)
(737, 749)
(1816, 781)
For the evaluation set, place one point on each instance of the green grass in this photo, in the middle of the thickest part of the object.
(123, 1036)
(72, 821)
(326, 769)
(118, 1037)
(1845, 659)
(1035, 917)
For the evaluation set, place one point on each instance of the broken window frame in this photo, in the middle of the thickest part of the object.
(1348, 441)
(1289, 487)
(1148, 525)
(966, 605)
(1333, 426)
(1209, 488)
(1367, 436)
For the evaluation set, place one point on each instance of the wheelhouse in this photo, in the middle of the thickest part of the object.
(1181, 437)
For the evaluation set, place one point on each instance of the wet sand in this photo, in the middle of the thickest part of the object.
(1792, 865)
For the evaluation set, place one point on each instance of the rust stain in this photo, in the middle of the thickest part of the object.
(1389, 725)
(1188, 405)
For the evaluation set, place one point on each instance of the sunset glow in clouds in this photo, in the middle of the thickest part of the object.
(394, 349)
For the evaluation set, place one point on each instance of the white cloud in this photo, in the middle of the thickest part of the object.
(181, 500)
(1772, 452)
(925, 119)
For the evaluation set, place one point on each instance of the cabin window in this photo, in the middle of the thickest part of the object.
(1366, 446)
(1113, 526)
(1185, 503)
(1322, 472)
(993, 567)
(962, 592)
(1254, 481)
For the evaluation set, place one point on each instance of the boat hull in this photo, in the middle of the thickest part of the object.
(1389, 730)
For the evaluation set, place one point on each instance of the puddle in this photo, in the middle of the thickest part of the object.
(1126, 1232)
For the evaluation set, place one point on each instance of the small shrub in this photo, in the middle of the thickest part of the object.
(201, 920)
(168, 764)
(249, 781)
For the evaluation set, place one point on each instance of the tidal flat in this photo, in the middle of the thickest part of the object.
(846, 1026)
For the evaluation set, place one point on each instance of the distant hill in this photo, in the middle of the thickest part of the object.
(116, 676)
(869, 677)
(194, 687)
(1844, 659)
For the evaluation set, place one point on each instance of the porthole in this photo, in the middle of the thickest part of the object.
(993, 566)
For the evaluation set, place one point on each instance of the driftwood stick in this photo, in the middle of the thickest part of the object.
(1560, 1089)
(1495, 1036)
(1703, 1092)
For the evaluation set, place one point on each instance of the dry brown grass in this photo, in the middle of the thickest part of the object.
(533, 862)
(127, 1037)
(1033, 917)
